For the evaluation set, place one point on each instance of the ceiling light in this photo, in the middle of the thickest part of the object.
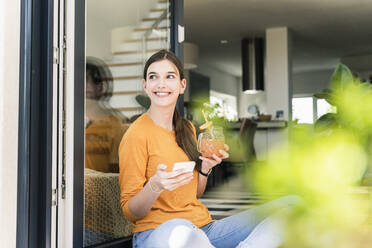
(251, 92)
(224, 41)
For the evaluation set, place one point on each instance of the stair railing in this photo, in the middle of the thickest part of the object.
(145, 37)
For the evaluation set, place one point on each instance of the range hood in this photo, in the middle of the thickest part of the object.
(253, 65)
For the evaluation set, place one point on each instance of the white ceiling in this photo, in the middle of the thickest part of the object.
(323, 30)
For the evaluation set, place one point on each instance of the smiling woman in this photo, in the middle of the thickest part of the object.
(162, 203)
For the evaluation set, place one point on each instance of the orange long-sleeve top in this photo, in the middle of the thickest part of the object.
(144, 146)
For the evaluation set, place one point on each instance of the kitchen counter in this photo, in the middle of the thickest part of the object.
(265, 129)
(263, 125)
(271, 124)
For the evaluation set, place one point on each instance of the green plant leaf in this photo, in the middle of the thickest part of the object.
(341, 77)
(326, 94)
(366, 86)
(328, 91)
(144, 101)
(321, 95)
(326, 121)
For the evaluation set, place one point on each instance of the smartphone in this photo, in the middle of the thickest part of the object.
(184, 166)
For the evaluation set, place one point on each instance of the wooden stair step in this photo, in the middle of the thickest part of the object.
(146, 29)
(125, 64)
(135, 51)
(129, 108)
(152, 19)
(127, 78)
(134, 92)
(148, 39)
(157, 10)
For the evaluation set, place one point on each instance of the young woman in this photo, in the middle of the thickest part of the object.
(162, 204)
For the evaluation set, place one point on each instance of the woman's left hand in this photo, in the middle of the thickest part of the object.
(209, 163)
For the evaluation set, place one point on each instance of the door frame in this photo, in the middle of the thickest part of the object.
(71, 173)
(34, 197)
(177, 34)
(35, 142)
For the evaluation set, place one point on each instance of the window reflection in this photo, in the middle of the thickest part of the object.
(119, 39)
(104, 125)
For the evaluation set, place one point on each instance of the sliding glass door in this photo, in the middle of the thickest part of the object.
(103, 96)
(120, 36)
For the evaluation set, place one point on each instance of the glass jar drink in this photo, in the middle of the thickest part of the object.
(211, 141)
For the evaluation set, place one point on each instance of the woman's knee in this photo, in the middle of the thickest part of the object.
(291, 200)
(177, 233)
(170, 224)
(167, 229)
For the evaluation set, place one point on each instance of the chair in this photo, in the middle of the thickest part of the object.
(246, 134)
(104, 220)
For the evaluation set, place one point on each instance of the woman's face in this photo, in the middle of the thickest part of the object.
(163, 84)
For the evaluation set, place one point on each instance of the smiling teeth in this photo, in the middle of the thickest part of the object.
(162, 93)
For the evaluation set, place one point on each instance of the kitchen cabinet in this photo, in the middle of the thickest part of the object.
(269, 135)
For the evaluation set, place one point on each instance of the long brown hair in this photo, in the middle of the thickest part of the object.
(183, 128)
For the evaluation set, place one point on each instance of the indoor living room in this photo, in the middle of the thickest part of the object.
(302, 45)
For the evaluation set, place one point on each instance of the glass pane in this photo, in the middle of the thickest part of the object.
(302, 109)
(120, 37)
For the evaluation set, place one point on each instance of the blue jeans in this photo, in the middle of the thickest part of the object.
(228, 232)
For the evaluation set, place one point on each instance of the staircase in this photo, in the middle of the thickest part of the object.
(149, 36)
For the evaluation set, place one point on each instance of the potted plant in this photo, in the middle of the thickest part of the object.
(325, 166)
(352, 99)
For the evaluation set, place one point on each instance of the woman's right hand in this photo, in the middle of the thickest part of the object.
(163, 180)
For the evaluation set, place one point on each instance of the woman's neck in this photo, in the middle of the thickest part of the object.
(162, 117)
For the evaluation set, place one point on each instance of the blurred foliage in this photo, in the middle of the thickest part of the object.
(324, 165)
(352, 99)
(214, 113)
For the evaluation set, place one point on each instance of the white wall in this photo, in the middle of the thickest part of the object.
(226, 83)
(103, 16)
(278, 85)
(308, 82)
(311, 82)
(9, 91)
(245, 100)
(304, 83)
(219, 81)
(98, 38)
(360, 64)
